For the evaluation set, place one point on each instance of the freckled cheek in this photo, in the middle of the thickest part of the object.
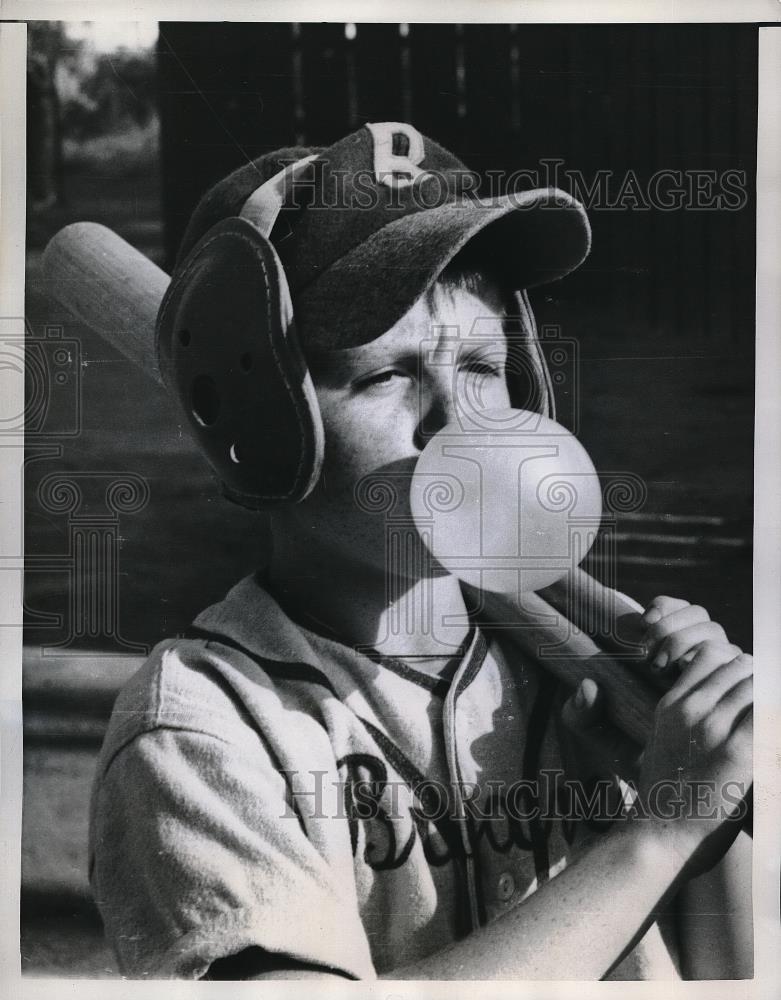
(368, 441)
(346, 460)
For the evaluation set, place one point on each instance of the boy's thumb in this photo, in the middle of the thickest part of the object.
(583, 714)
(583, 708)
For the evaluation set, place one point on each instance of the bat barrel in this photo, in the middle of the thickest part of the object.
(109, 286)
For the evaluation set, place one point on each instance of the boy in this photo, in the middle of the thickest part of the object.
(300, 788)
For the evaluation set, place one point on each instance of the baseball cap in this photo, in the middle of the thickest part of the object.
(370, 222)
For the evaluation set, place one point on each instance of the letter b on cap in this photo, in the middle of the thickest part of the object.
(398, 149)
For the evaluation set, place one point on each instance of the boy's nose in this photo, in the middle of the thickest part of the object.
(437, 408)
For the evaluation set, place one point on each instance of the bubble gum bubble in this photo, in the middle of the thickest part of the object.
(509, 503)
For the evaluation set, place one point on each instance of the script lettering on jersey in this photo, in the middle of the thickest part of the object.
(390, 827)
(393, 814)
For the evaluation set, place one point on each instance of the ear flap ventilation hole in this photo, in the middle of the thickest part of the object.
(228, 352)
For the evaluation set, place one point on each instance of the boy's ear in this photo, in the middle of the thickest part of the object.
(228, 352)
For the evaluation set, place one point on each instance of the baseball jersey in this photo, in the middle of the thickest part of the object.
(262, 785)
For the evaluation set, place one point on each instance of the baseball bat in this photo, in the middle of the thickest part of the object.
(116, 291)
(108, 285)
(541, 628)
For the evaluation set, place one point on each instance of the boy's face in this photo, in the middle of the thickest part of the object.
(381, 402)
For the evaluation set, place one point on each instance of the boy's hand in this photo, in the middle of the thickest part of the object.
(702, 739)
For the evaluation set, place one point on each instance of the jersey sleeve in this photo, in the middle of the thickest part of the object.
(197, 855)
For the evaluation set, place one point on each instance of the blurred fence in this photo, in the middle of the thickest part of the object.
(622, 99)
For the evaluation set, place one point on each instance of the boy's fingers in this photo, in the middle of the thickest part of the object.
(660, 607)
(674, 646)
(704, 704)
(737, 701)
(682, 618)
(707, 657)
(742, 734)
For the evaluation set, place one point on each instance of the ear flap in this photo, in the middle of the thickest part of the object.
(228, 351)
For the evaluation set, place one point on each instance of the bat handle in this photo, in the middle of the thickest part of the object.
(586, 601)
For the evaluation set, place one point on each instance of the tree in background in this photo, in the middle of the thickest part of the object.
(45, 48)
(84, 108)
(109, 94)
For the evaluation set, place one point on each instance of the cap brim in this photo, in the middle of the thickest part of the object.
(525, 239)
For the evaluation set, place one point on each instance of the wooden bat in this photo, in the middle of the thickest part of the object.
(114, 289)
(545, 627)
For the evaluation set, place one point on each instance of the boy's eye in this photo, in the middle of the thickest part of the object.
(382, 378)
(479, 367)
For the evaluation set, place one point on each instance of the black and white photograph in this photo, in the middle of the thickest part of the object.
(391, 507)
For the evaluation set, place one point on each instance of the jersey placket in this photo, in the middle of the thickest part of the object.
(500, 741)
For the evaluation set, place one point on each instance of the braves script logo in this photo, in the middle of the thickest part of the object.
(395, 814)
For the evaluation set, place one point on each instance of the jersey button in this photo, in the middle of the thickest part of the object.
(505, 887)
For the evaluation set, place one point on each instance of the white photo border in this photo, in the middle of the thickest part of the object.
(767, 564)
